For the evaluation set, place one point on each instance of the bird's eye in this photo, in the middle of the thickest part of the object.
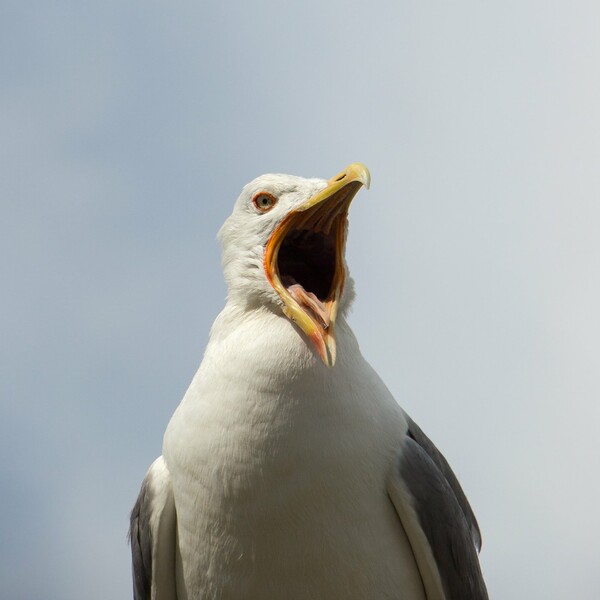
(264, 201)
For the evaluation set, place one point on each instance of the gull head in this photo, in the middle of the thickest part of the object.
(284, 249)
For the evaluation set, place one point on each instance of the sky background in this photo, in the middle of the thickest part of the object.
(128, 129)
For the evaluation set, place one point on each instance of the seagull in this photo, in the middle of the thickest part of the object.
(289, 471)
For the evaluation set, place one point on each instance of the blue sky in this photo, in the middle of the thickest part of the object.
(128, 131)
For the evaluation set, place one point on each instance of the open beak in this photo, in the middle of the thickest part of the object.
(304, 258)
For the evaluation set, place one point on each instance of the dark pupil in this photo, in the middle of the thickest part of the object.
(265, 201)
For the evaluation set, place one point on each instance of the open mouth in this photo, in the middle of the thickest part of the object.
(304, 259)
(310, 259)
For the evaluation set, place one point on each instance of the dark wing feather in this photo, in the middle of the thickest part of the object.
(415, 432)
(152, 534)
(140, 539)
(443, 521)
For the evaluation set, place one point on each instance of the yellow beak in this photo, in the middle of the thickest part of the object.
(323, 216)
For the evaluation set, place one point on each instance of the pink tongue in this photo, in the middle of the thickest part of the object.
(310, 301)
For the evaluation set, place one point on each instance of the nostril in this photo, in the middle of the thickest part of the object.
(340, 177)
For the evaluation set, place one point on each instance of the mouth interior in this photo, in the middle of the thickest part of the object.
(308, 259)
(307, 265)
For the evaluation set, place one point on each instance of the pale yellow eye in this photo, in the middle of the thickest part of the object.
(264, 201)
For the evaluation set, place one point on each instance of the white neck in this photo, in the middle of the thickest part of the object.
(266, 350)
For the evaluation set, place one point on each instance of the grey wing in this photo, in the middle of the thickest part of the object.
(152, 534)
(416, 433)
(438, 521)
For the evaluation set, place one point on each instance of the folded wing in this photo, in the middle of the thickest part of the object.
(438, 520)
(152, 537)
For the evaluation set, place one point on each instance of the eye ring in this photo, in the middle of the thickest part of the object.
(264, 201)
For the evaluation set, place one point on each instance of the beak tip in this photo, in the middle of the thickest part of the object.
(361, 173)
